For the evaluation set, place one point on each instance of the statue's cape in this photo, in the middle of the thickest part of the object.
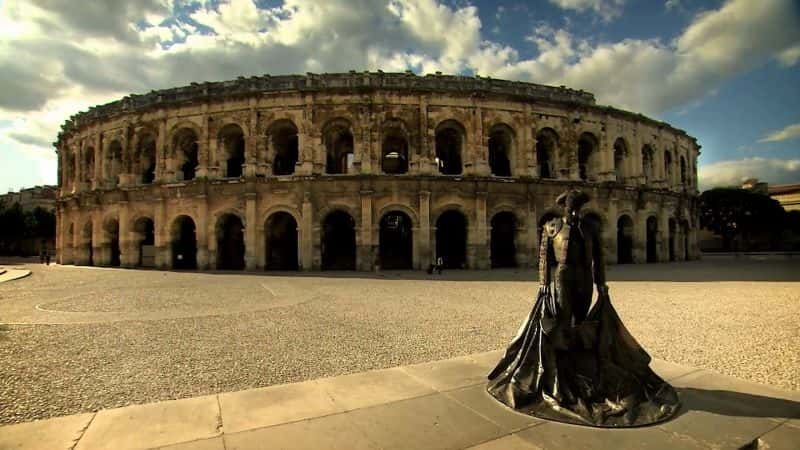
(591, 374)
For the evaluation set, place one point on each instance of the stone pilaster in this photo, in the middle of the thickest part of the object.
(423, 233)
(365, 252)
(250, 235)
(307, 235)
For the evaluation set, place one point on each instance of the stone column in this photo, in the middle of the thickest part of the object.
(250, 140)
(663, 237)
(532, 235)
(250, 235)
(478, 250)
(77, 239)
(530, 151)
(163, 249)
(364, 253)
(210, 239)
(161, 153)
(202, 232)
(127, 256)
(639, 237)
(100, 250)
(202, 149)
(423, 234)
(307, 235)
(98, 162)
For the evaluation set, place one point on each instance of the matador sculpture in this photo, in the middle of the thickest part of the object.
(568, 363)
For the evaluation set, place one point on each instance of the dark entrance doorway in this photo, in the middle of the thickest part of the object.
(112, 229)
(652, 236)
(230, 243)
(624, 240)
(89, 244)
(451, 239)
(145, 230)
(503, 248)
(396, 243)
(184, 243)
(281, 241)
(339, 242)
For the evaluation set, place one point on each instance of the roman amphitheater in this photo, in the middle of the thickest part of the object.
(358, 171)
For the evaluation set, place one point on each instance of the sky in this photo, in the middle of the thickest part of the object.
(726, 72)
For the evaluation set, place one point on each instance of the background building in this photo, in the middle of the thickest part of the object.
(349, 171)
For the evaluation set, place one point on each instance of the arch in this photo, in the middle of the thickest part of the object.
(588, 151)
(546, 148)
(337, 137)
(185, 152)
(395, 240)
(281, 239)
(451, 239)
(651, 232)
(648, 168)
(113, 162)
(88, 164)
(450, 142)
(683, 170)
(503, 247)
(672, 228)
(624, 239)
(183, 237)
(620, 158)
(668, 166)
(87, 236)
(394, 147)
(284, 137)
(144, 241)
(501, 149)
(111, 229)
(407, 210)
(338, 244)
(231, 149)
(144, 160)
(230, 242)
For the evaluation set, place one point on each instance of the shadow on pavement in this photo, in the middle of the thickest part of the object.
(730, 403)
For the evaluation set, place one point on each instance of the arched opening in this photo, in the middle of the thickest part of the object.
(231, 145)
(395, 241)
(668, 167)
(546, 144)
(624, 240)
(620, 156)
(230, 243)
(503, 248)
(88, 243)
(184, 243)
(501, 141)
(652, 239)
(112, 235)
(184, 145)
(449, 143)
(673, 227)
(114, 162)
(394, 151)
(145, 242)
(587, 152)
(285, 143)
(685, 235)
(88, 164)
(647, 164)
(145, 164)
(683, 171)
(281, 241)
(339, 242)
(451, 239)
(339, 148)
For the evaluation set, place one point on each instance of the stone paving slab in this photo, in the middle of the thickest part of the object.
(153, 425)
(57, 433)
(440, 404)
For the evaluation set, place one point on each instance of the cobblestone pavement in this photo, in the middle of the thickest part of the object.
(80, 339)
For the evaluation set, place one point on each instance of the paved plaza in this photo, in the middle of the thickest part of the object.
(77, 340)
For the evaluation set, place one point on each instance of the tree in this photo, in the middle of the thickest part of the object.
(739, 213)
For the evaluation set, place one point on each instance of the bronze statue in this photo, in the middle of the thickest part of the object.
(568, 363)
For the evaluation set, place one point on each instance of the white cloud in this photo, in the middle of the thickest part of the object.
(732, 173)
(56, 59)
(606, 9)
(789, 132)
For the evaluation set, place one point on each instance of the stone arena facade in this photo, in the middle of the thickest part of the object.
(358, 171)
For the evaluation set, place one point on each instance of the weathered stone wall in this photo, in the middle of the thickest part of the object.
(105, 190)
